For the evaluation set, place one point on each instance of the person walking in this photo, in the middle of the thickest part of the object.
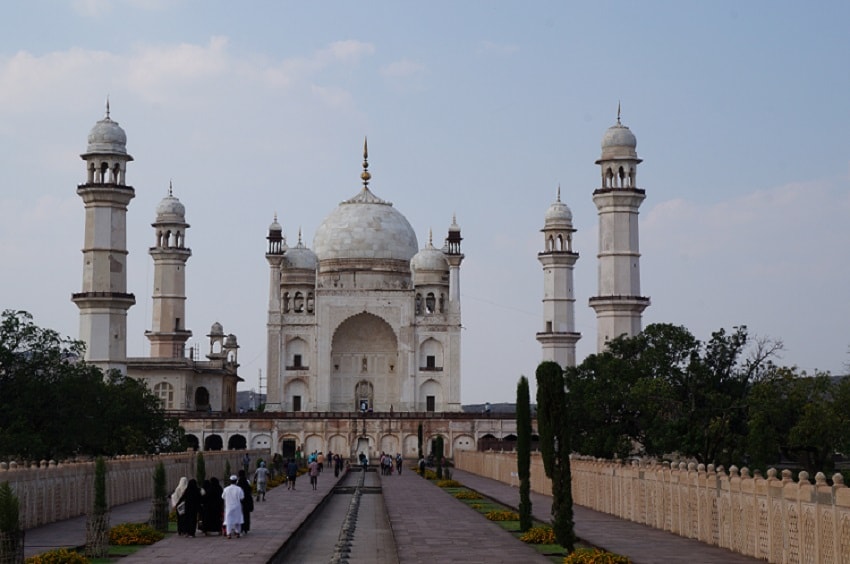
(247, 501)
(212, 507)
(314, 473)
(232, 496)
(176, 496)
(398, 463)
(188, 507)
(261, 476)
(291, 474)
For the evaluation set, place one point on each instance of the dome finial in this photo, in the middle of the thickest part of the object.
(275, 216)
(299, 236)
(430, 237)
(558, 198)
(618, 113)
(365, 176)
(107, 106)
(170, 192)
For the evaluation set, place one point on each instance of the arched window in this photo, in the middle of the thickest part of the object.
(286, 302)
(165, 392)
(430, 303)
(418, 304)
(298, 303)
(310, 302)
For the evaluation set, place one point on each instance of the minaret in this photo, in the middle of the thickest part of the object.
(168, 334)
(455, 257)
(104, 301)
(559, 336)
(618, 304)
(274, 254)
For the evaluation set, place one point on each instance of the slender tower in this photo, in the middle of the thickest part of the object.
(104, 301)
(559, 336)
(168, 334)
(274, 254)
(618, 304)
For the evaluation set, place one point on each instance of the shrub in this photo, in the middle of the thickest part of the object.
(449, 484)
(58, 556)
(595, 556)
(502, 516)
(468, 495)
(9, 509)
(430, 475)
(128, 534)
(539, 535)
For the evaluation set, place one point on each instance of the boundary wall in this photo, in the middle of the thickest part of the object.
(775, 518)
(49, 491)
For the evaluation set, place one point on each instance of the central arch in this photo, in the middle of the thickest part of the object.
(364, 350)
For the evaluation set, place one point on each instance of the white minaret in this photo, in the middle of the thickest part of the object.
(274, 254)
(104, 301)
(559, 336)
(168, 334)
(455, 257)
(618, 304)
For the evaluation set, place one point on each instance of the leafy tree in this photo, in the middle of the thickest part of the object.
(523, 424)
(663, 391)
(555, 448)
(54, 405)
(798, 418)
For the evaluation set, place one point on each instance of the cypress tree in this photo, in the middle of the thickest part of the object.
(555, 448)
(419, 437)
(159, 511)
(201, 470)
(523, 444)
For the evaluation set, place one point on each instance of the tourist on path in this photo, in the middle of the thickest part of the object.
(190, 501)
(291, 474)
(212, 507)
(176, 496)
(314, 473)
(247, 501)
(232, 497)
(261, 476)
(398, 463)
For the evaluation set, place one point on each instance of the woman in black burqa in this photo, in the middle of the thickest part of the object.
(212, 507)
(187, 522)
(247, 501)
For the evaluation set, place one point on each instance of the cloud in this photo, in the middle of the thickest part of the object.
(402, 69)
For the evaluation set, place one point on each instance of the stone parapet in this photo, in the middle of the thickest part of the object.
(49, 491)
(773, 518)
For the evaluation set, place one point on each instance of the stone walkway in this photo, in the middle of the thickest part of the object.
(427, 524)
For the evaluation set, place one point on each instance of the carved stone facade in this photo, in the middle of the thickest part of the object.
(365, 321)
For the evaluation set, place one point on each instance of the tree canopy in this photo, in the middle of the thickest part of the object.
(54, 405)
(722, 401)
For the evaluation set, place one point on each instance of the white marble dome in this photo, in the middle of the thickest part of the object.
(559, 215)
(170, 208)
(107, 137)
(430, 258)
(365, 227)
(301, 257)
(619, 141)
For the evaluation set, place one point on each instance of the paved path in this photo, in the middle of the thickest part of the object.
(427, 525)
(644, 545)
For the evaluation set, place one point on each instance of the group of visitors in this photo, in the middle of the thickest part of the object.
(213, 509)
(387, 463)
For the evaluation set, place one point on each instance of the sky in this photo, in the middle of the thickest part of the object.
(476, 109)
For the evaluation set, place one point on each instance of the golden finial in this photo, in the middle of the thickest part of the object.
(365, 176)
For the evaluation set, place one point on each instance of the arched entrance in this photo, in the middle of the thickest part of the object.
(364, 355)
